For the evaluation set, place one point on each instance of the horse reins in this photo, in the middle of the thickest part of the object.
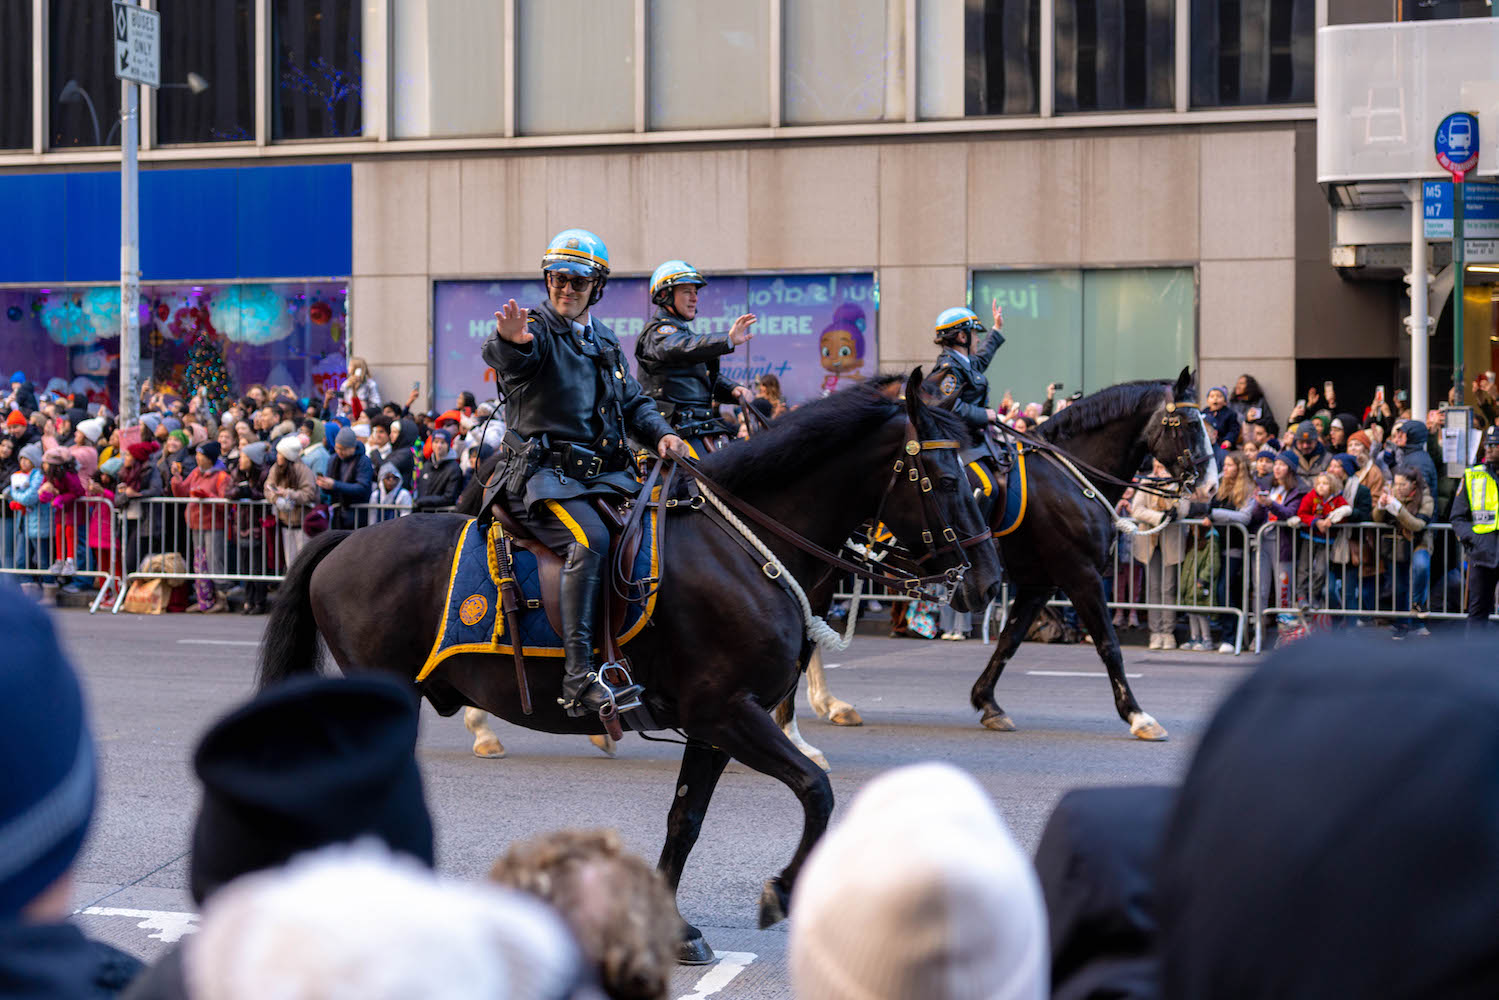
(914, 470)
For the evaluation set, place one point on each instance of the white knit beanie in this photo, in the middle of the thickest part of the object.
(919, 894)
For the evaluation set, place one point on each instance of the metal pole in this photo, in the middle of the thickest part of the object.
(1459, 239)
(1420, 345)
(130, 258)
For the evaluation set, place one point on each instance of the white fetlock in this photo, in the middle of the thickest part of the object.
(1142, 725)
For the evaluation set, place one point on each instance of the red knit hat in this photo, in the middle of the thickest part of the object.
(16, 419)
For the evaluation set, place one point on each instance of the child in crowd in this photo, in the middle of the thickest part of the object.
(1315, 515)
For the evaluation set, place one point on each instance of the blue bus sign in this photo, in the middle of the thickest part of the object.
(1457, 144)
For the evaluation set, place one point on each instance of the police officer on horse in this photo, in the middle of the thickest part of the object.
(570, 400)
(959, 372)
(679, 368)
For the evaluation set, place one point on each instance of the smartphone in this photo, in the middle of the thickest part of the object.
(1327, 388)
(1379, 393)
(1058, 386)
(415, 386)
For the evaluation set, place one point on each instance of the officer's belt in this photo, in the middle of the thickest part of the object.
(584, 463)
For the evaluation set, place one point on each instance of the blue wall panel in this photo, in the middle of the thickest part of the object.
(220, 224)
(92, 227)
(33, 248)
(187, 227)
(296, 221)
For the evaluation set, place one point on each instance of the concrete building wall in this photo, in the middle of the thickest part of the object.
(921, 213)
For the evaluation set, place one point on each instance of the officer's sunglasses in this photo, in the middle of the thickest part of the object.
(560, 279)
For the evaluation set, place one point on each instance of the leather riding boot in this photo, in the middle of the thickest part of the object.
(582, 590)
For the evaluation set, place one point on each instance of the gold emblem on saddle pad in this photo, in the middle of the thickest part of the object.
(471, 611)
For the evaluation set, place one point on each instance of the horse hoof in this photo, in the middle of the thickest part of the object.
(999, 722)
(846, 715)
(772, 903)
(605, 743)
(489, 748)
(695, 951)
(1152, 732)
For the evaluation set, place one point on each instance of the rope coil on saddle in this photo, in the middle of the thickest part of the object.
(818, 630)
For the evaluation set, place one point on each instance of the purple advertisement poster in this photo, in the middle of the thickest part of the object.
(814, 332)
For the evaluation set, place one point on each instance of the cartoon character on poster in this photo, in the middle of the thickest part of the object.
(842, 346)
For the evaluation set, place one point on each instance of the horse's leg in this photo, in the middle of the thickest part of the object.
(749, 735)
(701, 767)
(785, 715)
(836, 711)
(1029, 601)
(486, 743)
(1089, 601)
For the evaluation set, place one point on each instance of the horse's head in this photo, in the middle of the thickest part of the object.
(929, 508)
(1178, 437)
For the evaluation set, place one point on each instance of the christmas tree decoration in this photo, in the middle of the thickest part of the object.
(206, 372)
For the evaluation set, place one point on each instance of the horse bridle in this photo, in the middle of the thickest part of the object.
(1188, 458)
(915, 473)
(911, 468)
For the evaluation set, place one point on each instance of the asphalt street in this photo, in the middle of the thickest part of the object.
(156, 683)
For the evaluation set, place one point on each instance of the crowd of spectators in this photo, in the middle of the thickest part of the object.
(312, 850)
(81, 493)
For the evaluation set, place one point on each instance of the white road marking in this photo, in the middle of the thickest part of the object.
(1074, 673)
(831, 666)
(217, 642)
(730, 964)
(168, 925)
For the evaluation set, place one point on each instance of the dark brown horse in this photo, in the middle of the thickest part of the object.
(726, 642)
(1066, 540)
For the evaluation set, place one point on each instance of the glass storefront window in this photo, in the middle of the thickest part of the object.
(1000, 72)
(708, 63)
(289, 333)
(815, 332)
(590, 86)
(317, 71)
(447, 78)
(839, 61)
(1115, 55)
(1252, 52)
(1088, 329)
(80, 42)
(15, 76)
(214, 39)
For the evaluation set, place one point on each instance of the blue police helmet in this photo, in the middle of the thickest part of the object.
(577, 251)
(954, 321)
(671, 274)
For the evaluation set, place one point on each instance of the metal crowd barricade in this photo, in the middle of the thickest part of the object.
(1364, 571)
(366, 514)
(192, 538)
(1228, 589)
(38, 540)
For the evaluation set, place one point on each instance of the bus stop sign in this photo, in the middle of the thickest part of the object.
(1457, 144)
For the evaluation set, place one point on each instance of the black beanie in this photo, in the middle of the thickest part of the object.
(308, 763)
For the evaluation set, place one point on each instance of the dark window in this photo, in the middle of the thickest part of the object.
(1252, 51)
(1001, 57)
(15, 75)
(214, 39)
(316, 75)
(1436, 10)
(81, 51)
(1115, 55)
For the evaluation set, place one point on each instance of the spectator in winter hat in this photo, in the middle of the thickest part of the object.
(1340, 859)
(348, 480)
(46, 803)
(441, 479)
(304, 764)
(1339, 431)
(1312, 456)
(947, 905)
(1221, 417)
(20, 430)
(385, 929)
(389, 492)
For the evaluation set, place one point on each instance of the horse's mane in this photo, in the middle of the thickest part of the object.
(1104, 406)
(802, 438)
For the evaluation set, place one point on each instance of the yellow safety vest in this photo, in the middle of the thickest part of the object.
(1483, 499)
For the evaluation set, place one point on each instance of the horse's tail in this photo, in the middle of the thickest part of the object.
(290, 646)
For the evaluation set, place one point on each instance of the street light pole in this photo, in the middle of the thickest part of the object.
(130, 257)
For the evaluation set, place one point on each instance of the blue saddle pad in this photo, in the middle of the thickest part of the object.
(1017, 490)
(472, 618)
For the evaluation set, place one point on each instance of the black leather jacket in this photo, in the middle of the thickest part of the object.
(680, 368)
(561, 389)
(963, 384)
